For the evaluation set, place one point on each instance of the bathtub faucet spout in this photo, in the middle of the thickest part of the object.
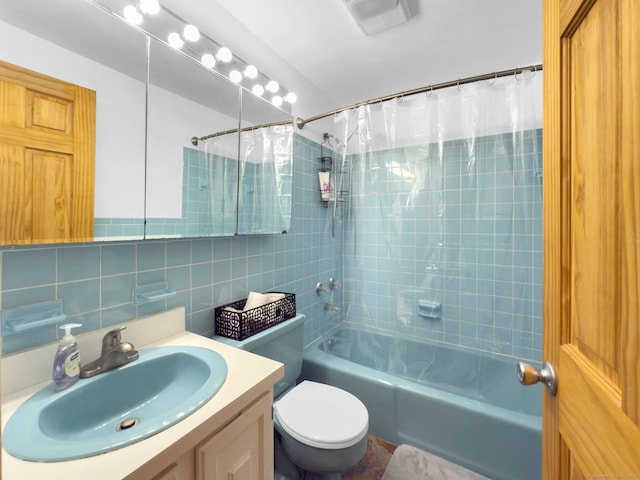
(330, 307)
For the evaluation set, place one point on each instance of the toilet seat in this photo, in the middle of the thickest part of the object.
(322, 416)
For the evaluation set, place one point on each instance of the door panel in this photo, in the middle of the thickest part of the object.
(47, 151)
(592, 238)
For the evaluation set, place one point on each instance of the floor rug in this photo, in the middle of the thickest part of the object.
(410, 463)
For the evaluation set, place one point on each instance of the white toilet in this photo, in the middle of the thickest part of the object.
(321, 428)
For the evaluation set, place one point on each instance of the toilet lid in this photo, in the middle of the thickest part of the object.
(322, 416)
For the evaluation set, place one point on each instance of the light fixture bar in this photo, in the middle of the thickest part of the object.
(160, 23)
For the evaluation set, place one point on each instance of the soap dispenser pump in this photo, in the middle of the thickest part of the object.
(66, 363)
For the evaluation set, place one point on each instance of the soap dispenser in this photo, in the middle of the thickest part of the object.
(66, 363)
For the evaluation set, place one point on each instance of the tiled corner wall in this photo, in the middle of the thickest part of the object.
(463, 232)
(96, 281)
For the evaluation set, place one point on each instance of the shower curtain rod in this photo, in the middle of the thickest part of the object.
(195, 140)
(488, 76)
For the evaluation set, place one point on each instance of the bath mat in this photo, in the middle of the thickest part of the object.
(410, 463)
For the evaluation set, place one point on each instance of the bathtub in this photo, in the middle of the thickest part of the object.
(463, 405)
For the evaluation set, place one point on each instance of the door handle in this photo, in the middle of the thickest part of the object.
(529, 375)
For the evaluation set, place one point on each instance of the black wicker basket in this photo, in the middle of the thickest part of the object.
(240, 325)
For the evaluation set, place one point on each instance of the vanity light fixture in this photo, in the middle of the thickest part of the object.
(235, 76)
(187, 38)
(132, 15)
(208, 60)
(273, 87)
(258, 90)
(291, 97)
(225, 55)
(175, 40)
(135, 13)
(251, 72)
(152, 7)
(191, 33)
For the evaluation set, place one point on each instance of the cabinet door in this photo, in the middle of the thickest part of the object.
(182, 469)
(243, 450)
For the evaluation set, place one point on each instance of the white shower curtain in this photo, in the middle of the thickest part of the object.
(442, 223)
(266, 159)
(217, 212)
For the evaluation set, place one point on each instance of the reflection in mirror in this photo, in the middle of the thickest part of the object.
(78, 43)
(191, 190)
(266, 168)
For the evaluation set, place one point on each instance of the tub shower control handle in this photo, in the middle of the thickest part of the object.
(529, 375)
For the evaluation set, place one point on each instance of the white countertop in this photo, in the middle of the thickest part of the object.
(248, 376)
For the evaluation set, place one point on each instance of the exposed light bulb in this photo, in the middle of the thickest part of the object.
(277, 100)
(224, 55)
(291, 97)
(151, 7)
(251, 71)
(191, 33)
(132, 15)
(235, 76)
(175, 41)
(258, 90)
(273, 86)
(208, 60)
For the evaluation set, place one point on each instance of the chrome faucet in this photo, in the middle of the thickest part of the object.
(115, 353)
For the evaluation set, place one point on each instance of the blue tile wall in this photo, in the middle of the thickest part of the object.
(436, 223)
(96, 281)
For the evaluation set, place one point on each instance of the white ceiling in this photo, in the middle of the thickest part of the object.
(314, 48)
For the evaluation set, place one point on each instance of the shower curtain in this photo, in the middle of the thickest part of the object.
(442, 224)
(264, 201)
(213, 196)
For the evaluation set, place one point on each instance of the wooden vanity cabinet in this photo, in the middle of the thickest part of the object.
(242, 449)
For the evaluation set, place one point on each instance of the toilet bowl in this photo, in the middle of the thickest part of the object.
(323, 428)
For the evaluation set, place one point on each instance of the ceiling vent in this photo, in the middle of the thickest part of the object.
(373, 16)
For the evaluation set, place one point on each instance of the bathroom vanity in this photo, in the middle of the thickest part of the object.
(230, 436)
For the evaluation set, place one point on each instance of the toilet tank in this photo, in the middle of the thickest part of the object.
(283, 343)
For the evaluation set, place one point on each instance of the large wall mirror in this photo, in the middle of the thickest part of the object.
(76, 42)
(192, 190)
(146, 168)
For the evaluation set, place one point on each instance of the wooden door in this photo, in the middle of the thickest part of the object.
(592, 238)
(47, 150)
